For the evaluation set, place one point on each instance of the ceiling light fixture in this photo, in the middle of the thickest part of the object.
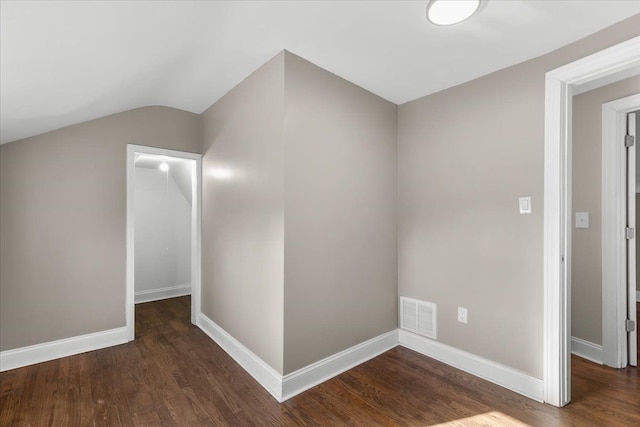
(449, 12)
(164, 166)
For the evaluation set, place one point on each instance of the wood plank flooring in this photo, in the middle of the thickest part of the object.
(174, 375)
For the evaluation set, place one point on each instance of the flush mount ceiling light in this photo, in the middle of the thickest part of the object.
(449, 12)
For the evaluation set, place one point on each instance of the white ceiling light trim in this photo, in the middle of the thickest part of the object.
(450, 12)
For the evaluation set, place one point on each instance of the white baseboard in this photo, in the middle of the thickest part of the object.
(586, 350)
(325, 369)
(268, 377)
(283, 388)
(162, 293)
(288, 386)
(496, 373)
(24, 356)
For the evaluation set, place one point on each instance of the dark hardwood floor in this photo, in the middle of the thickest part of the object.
(174, 375)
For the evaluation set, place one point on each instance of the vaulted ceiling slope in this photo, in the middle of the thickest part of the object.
(67, 62)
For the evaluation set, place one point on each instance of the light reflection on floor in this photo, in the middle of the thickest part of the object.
(492, 419)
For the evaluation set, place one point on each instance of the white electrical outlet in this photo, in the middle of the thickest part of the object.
(462, 315)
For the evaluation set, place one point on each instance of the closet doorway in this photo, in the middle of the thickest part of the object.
(163, 228)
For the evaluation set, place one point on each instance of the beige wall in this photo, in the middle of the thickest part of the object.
(243, 214)
(300, 239)
(465, 155)
(62, 221)
(340, 214)
(586, 262)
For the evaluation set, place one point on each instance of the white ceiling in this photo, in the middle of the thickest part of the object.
(63, 63)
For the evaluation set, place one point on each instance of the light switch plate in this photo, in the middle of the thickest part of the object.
(582, 219)
(525, 205)
(462, 315)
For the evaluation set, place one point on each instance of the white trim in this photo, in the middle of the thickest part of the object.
(162, 293)
(557, 198)
(496, 373)
(24, 356)
(325, 369)
(556, 305)
(614, 214)
(130, 254)
(290, 385)
(631, 338)
(196, 240)
(196, 227)
(586, 350)
(604, 81)
(268, 377)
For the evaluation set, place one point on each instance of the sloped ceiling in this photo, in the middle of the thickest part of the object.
(63, 63)
(180, 169)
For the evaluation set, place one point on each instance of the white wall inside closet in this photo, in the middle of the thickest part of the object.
(162, 228)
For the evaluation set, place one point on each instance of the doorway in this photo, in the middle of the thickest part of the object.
(612, 64)
(602, 257)
(631, 321)
(163, 244)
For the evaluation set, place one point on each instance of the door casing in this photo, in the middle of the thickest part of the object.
(614, 220)
(560, 84)
(196, 227)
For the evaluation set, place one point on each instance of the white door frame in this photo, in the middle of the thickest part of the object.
(559, 86)
(614, 244)
(196, 227)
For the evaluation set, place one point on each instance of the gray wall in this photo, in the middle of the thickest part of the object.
(299, 222)
(340, 214)
(62, 221)
(464, 156)
(586, 261)
(243, 212)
